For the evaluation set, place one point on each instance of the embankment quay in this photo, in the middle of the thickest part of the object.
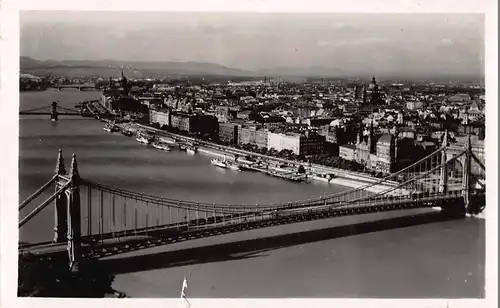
(230, 150)
(314, 171)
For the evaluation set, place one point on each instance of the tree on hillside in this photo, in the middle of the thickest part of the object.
(51, 277)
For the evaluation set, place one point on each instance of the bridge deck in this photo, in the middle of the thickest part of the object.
(49, 113)
(94, 246)
(187, 220)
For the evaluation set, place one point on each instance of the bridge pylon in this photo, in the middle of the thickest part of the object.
(67, 212)
(53, 114)
(443, 176)
(74, 213)
(60, 203)
(466, 176)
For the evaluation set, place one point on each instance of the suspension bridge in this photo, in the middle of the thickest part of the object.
(93, 220)
(54, 111)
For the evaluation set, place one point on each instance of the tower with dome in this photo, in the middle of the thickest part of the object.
(372, 93)
(371, 98)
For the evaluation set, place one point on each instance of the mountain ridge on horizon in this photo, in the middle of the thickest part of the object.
(195, 68)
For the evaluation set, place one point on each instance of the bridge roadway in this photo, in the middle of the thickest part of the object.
(100, 245)
(49, 113)
(74, 86)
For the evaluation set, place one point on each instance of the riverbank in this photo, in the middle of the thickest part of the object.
(341, 177)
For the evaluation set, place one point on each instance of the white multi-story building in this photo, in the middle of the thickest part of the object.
(280, 141)
(299, 144)
(161, 117)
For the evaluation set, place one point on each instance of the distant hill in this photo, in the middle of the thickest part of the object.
(155, 68)
(133, 68)
(139, 69)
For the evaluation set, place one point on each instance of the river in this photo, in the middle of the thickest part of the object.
(444, 259)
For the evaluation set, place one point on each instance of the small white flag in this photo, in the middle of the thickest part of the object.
(184, 288)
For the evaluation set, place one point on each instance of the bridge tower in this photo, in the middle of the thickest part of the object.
(466, 175)
(60, 213)
(53, 114)
(67, 210)
(443, 176)
(467, 205)
(74, 219)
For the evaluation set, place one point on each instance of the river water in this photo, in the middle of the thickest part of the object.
(444, 259)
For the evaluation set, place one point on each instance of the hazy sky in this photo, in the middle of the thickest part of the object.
(416, 43)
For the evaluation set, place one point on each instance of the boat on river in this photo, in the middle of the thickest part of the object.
(143, 139)
(191, 150)
(127, 132)
(219, 163)
(225, 164)
(111, 128)
(161, 146)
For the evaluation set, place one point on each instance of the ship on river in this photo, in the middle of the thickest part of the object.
(191, 150)
(161, 146)
(143, 138)
(225, 164)
(111, 128)
(127, 132)
(219, 163)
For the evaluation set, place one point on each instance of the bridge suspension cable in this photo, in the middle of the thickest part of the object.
(43, 205)
(116, 214)
(193, 204)
(38, 192)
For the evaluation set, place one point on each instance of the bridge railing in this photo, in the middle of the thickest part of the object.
(123, 212)
(106, 213)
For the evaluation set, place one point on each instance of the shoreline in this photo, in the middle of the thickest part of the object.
(342, 177)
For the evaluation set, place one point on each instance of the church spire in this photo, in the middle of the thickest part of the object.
(124, 84)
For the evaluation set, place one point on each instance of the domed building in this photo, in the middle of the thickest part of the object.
(373, 87)
(371, 98)
(120, 101)
(372, 93)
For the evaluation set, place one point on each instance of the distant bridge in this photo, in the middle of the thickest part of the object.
(93, 220)
(80, 87)
(54, 111)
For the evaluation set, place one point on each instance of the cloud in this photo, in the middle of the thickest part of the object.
(368, 42)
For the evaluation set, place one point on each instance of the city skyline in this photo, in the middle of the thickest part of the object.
(398, 44)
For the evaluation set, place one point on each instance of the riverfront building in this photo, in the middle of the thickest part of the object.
(386, 153)
(228, 132)
(262, 138)
(253, 134)
(246, 134)
(195, 123)
(162, 117)
(347, 151)
(307, 143)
